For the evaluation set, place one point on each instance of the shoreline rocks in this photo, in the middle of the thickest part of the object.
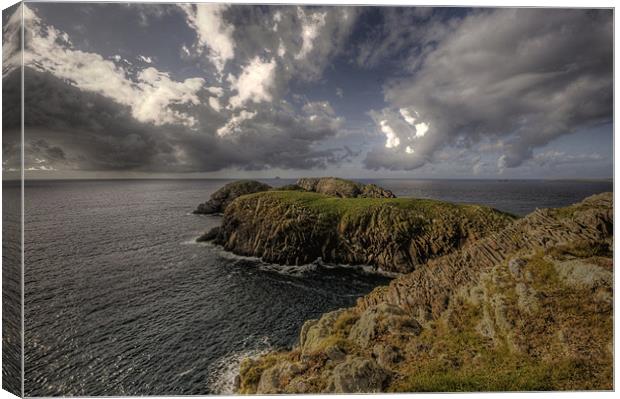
(526, 308)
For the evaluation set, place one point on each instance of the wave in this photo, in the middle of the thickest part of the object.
(222, 379)
(291, 270)
(301, 270)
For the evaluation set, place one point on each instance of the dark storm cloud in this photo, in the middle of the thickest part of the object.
(519, 77)
(74, 129)
(85, 112)
(202, 88)
(70, 128)
(400, 34)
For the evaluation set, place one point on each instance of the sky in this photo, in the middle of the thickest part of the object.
(216, 90)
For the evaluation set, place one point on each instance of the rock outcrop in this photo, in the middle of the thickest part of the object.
(342, 188)
(325, 185)
(529, 307)
(224, 196)
(395, 235)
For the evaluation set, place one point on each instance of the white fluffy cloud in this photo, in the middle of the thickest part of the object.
(254, 83)
(400, 127)
(215, 103)
(311, 25)
(146, 59)
(11, 42)
(150, 97)
(213, 33)
(234, 124)
(158, 92)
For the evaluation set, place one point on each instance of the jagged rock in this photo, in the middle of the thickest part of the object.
(581, 273)
(377, 320)
(358, 375)
(529, 307)
(314, 331)
(539, 230)
(342, 188)
(396, 235)
(209, 235)
(374, 191)
(271, 379)
(224, 196)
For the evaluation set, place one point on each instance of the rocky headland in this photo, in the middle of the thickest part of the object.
(354, 224)
(526, 307)
(331, 186)
(224, 196)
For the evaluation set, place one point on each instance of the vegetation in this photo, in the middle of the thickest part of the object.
(356, 206)
(539, 318)
(394, 234)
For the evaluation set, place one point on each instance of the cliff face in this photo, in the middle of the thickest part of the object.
(221, 198)
(342, 188)
(396, 235)
(528, 307)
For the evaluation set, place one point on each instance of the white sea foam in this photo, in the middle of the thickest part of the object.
(193, 241)
(291, 270)
(301, 270)
(224, 371)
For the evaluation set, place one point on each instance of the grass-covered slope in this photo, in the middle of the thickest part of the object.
(330, 186)
(394, 234)
(526, 308)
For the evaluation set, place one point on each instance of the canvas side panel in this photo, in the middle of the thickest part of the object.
(12, 201)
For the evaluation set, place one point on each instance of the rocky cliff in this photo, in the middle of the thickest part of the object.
(396, 235)
(221, 198)
(528, 307)
(342, 188)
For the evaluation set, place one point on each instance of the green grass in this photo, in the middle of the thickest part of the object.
(498, 373)
(545, 274)
(355, 206)
(582, 250)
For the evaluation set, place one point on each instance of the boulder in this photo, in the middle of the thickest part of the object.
(313, 332)
(358, 375)
(381, 319)
(209, 235)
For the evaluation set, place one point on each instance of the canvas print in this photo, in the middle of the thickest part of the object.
(212, 198)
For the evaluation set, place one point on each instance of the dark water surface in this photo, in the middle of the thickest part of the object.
(121, 301)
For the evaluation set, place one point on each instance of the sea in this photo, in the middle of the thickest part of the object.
(121, 300)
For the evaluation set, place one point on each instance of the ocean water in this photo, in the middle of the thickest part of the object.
(120, 300)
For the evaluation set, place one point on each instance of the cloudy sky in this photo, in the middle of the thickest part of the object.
(117, 90)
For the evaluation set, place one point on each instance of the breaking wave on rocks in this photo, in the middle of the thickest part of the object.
(222, 379)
